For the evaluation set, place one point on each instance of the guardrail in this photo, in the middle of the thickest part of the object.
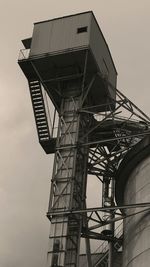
(24, 54)
(103, 248)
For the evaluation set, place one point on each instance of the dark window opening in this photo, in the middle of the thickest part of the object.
(82, 29)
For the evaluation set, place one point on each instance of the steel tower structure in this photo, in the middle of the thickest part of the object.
(68, 60)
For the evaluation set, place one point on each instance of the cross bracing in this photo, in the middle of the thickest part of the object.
(91, 140)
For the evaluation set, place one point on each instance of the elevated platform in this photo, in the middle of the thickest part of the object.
(57, 72)
(63, 54)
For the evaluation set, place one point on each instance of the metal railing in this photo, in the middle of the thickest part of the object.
(24, 54)
(102, 250)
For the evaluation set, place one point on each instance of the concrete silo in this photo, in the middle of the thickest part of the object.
(133, 187)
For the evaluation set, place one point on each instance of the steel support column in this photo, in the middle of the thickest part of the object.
(68, 184)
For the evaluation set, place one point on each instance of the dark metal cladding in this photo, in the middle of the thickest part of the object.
(57, 53)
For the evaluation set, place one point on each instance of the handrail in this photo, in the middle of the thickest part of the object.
(103, 248)
(24, 54)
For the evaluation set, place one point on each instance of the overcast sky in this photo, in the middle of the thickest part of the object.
(25, 169)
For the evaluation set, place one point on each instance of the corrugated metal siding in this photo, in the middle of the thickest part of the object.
(60, 34)
(41, 38)
(100, 51)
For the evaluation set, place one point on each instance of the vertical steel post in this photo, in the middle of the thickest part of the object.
(111, 226)
(88, 252)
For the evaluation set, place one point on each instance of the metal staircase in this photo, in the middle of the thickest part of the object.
(100, 257)
(102, 261)
(40, 115)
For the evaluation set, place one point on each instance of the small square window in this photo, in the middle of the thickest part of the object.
(82, 29)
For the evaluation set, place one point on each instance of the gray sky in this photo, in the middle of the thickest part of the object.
(25, 169)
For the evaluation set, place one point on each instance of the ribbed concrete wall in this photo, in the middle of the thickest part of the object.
(136, 250)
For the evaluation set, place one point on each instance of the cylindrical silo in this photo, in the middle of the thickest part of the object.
(132, 187)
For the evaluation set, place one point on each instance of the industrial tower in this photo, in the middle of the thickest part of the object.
(68, 61)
